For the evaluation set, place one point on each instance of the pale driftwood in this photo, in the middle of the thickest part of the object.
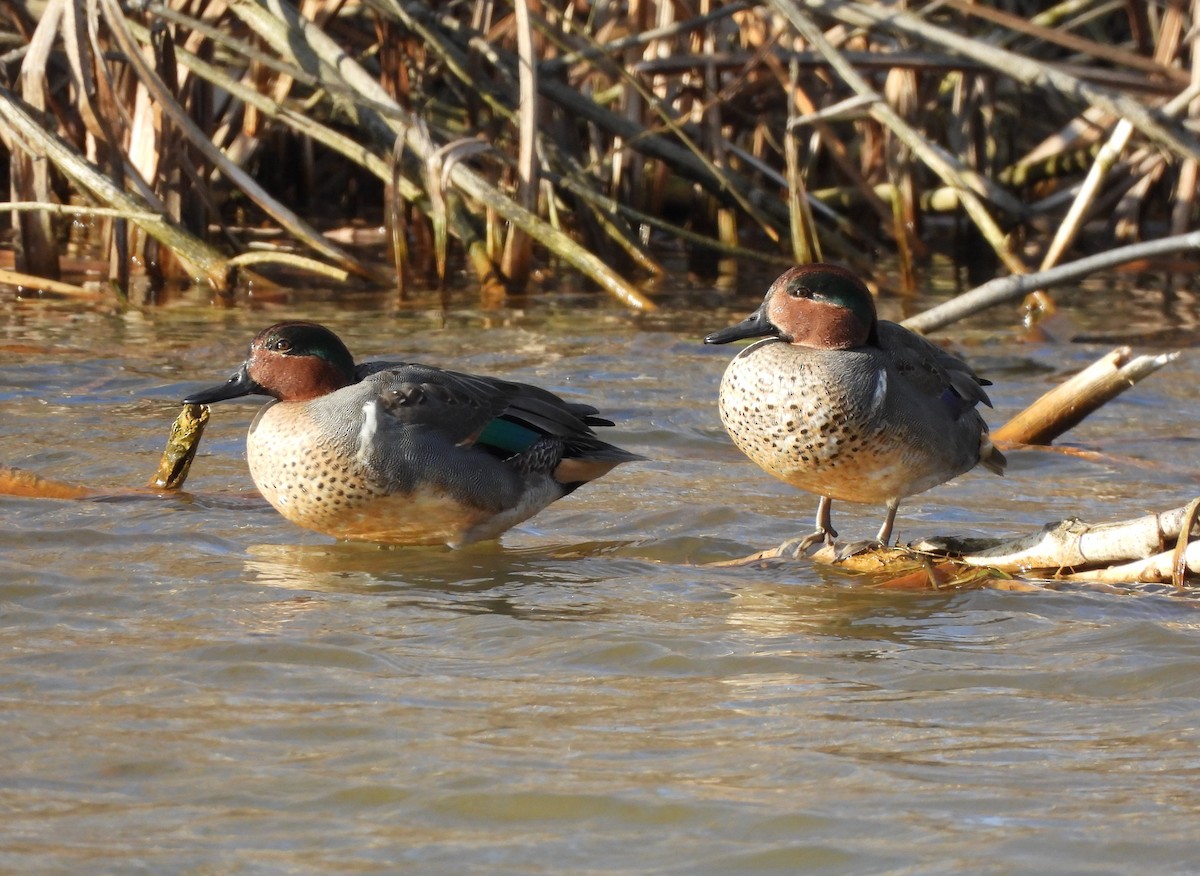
(1004, 289)
(1155, 548)
(1069, 402)
(1072, 544)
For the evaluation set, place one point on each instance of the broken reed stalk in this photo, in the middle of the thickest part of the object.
(1107, 157)
(941, 163)
(1025, 70)
(518, 248)
(28, 135)
(691, 106)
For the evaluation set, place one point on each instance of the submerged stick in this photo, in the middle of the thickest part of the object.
(177, 457)
(15, 482)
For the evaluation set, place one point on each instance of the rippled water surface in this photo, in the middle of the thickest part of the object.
(193, 685)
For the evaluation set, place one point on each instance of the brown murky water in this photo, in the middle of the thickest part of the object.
(193, 685)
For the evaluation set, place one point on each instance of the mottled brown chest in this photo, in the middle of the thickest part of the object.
(313, 477)
(814, 419)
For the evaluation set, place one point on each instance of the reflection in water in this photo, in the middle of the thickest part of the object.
(481, 578)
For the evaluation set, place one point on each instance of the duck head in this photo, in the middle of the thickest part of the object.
(822, 306)
(290, 361)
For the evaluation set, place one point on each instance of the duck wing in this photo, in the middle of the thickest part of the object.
(930, 369)
(503, 417)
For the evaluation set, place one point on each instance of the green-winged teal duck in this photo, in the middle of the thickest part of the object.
(845, 405)
(402, 453)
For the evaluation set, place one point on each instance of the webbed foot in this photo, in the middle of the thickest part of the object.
(854, 548)
(792, 549)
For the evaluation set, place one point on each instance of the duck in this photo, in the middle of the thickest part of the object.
(844, 405)
(403, 453)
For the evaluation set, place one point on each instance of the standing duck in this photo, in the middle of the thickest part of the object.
(401, 453)
(845, 405)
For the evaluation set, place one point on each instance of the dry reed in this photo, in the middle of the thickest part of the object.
(602, 138)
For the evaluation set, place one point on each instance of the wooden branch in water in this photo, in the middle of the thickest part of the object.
(1127, 552)
(1068, 403)
(1005, 289)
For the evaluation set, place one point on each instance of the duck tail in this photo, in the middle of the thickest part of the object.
(989, 457)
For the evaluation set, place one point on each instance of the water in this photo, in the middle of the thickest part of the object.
(193, 685)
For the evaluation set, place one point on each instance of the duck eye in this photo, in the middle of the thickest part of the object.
(281, 345)
(799, 291)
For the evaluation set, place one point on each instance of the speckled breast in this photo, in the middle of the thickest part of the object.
(312, 477)
(816, 420)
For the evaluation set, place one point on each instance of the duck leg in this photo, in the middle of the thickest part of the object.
(824, 532)
(881, 540)
(885, 531)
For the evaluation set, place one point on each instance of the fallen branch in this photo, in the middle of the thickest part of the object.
(1156, 548)
(1015, 287)
(1068, 403)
